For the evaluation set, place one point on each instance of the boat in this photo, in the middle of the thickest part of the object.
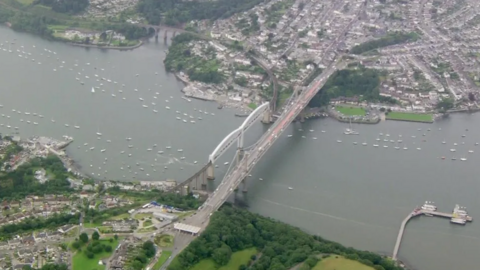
(226, 163)
(349, 130)
(103, 150)
(99, 134)
(470, 151)
(463, 159)
(290, 188)
(454, 158)
(375, 145)
(459, 221)
(77, 127)
(452, 150)
(364, 143)
(289, 136)
(429, 206)
(180, 150)
(355, 143)
(418, 148)
(149, 149)
(339, 141)
(144, 106)
(168, 147)
(260, 179)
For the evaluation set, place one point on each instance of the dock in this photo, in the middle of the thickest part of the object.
(458, 216)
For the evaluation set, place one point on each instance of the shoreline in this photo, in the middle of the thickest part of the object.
(128, 48)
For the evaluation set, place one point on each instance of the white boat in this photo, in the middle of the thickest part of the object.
(155, 111)
(452, 150)
(364, 144)
(144, 106)
(349, 130)
(99, 134)
(418, 148)
(226, 163)
(375, 145)
(290, 188)
(77, 127)
(168, 147)
(260, 179)
(429, 206)
(339, 141)
(289, 136)
(130, 146)
(149, 149)
(463, 159)
(168, 108)
(103, 150)
(470, 151)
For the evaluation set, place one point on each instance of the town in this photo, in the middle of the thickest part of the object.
(421, 59)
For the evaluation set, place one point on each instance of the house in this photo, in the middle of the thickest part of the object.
(66, 228)
(83, 194)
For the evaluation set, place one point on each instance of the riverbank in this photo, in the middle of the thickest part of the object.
(127, 48)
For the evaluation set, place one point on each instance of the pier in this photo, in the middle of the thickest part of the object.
(458, 216)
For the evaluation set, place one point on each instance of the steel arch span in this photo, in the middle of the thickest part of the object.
(237, 134)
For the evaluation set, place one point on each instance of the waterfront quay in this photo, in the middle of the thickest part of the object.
(458, 216)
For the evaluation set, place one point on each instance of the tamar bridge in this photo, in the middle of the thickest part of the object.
(246, 157)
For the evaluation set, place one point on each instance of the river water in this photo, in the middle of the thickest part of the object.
(354, 194)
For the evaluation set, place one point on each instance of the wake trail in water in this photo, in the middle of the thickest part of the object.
(325, 215)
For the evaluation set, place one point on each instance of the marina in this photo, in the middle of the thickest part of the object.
(458, 216)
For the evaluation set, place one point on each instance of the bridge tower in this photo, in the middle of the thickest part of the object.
(156, 33)
(267, 117)
(210, 171)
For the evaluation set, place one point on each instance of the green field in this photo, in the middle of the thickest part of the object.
(147, 223)
(350, 110)
(340, 263)
(164, 240)
(163, 258)
(207, 264)
(81, 262)
(252, 105)
(419, 117)
(238, 258)
(25, 2)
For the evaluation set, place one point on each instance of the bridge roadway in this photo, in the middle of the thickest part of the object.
(241, 171)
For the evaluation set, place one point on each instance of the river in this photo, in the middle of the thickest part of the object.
(354, 194)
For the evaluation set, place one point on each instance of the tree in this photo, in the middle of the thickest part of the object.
(222, 254)
(108, 248)
(95, 235)
(445, 104)
(471, 96)
(76, 245)
(116, 237)
(84, 237)
(89, 254)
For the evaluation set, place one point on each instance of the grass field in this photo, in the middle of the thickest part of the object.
(81, 262)
(164, 240)
(25, 2)
(350, 110)
(207, 264)
(340, 263)
(147, 223)
(163, 258)
(143, 215)
(419, 117)
(238, 258)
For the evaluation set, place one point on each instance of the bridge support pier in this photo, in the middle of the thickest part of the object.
(302, 116)
(165, 36)
(240, 153)
(267, 117)
(244, 185)
(210, 172)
